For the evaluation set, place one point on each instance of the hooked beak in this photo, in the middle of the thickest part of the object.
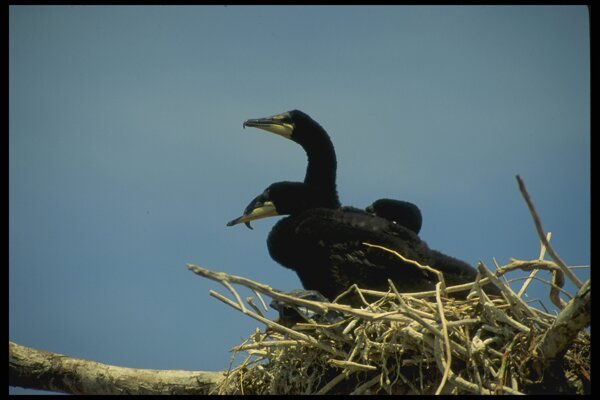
(279, 124)
(257, 209)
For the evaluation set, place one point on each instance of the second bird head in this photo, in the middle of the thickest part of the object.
(281, 198)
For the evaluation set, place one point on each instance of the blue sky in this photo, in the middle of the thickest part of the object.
(127, 153)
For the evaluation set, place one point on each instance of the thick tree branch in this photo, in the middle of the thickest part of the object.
(37, 369)
(575, 317)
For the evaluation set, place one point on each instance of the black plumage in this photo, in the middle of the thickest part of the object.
(326, 247)
(321, 168)
(324, 243)
(398, 211)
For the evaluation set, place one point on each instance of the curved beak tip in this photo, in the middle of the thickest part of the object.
(232, 222)
(237, 221)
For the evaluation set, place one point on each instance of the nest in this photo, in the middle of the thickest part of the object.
(418, 343)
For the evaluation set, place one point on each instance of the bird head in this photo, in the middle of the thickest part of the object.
(294, 125)
(281, 198)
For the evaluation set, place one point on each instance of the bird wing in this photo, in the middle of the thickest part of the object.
(337, 241)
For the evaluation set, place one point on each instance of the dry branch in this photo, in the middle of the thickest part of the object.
(576, 316)
(37, 369)
(542, 235)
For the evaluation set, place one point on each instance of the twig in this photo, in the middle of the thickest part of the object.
(250, 300)
(352, 365)
(448, 369)
(540, 231)
(510, 295)
(535, 271)
(439, 274)
(273, 343)
(558, 279)
(262, 302)
(277, 327)
(235, 294)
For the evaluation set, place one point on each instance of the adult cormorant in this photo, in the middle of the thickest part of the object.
(322, 165)
(326, 246)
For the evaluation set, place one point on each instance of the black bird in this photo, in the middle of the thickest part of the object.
(322, 166)
(325, 246)
(398, 211)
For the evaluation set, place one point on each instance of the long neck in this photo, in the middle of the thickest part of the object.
(321, 169)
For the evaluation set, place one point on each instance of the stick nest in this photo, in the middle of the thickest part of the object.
(420, 343)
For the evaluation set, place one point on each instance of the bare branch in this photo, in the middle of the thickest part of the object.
(558, 279)
(575, 317)
(37, 369)
(542, 235)
(535, 271)
(444, 324)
